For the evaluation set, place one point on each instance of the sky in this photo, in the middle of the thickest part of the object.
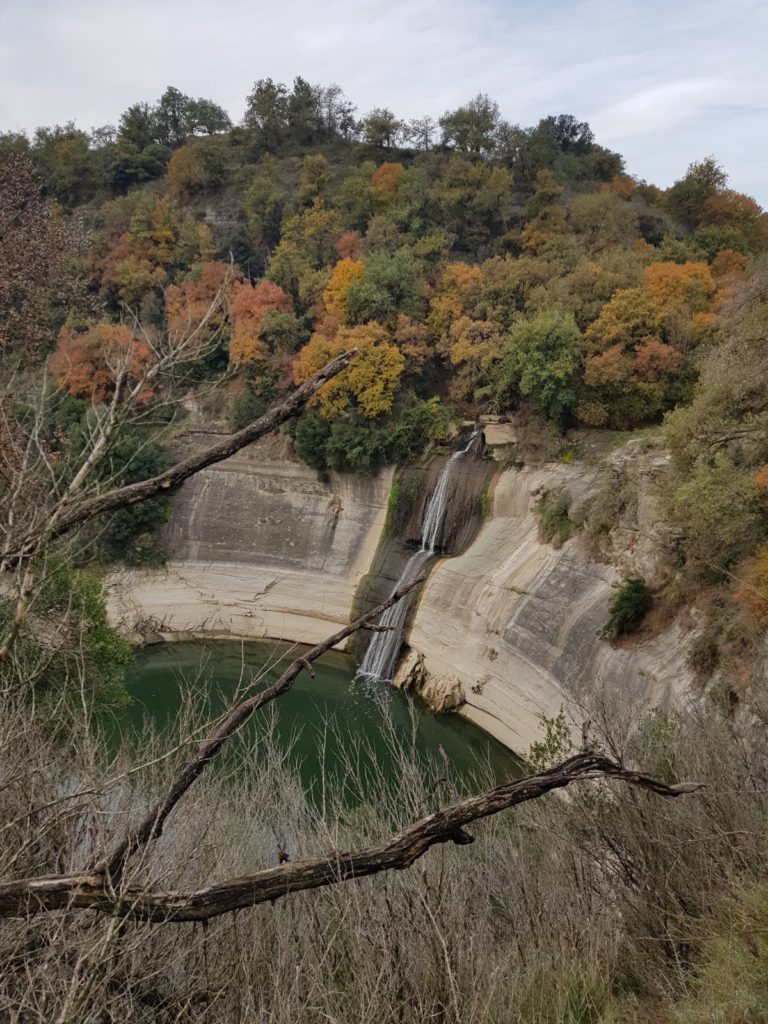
(664, 82)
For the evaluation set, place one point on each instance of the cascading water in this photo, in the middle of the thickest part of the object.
(381, 657)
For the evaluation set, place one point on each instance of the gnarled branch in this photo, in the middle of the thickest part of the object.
(83, 511)
(91, 891)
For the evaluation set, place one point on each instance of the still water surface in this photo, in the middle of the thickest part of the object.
(319, 720)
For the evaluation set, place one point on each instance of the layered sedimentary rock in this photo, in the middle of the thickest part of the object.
(518, 622)
(505, 631)
(258, 546)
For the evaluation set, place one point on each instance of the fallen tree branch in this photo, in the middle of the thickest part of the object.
(130, 494)
(152, 825)
(91, 890)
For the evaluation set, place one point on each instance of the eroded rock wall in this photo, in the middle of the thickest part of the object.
(258, 547)
(415, 485)
(516, 622)
(506, 630)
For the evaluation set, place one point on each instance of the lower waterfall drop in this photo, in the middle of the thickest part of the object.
(380, 659)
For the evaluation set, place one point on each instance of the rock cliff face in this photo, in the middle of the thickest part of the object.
(504, 631)
(258, 547)
(517, 622)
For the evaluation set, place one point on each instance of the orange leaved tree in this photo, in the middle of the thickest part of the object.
(89, 364)
(248, 306)
(188, 303)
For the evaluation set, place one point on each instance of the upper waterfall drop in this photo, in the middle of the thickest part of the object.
(380, 659)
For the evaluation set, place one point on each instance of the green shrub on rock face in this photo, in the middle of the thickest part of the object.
(360, 445)
(393, 502)
(555, 525)
(628, 608)
(485, 501)
(310, 436)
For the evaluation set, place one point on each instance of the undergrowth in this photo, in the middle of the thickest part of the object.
(555, 525)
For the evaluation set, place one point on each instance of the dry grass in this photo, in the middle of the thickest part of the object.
(585, 909)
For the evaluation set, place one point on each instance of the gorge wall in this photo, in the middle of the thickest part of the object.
(258, 547)
(513, 624)
(507, 630)
(413, 491)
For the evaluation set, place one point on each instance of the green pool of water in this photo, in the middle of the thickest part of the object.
(319, 720)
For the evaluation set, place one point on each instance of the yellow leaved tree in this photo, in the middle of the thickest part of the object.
(345, 272)
(369, 383)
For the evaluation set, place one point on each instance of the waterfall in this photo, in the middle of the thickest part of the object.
(380, 659)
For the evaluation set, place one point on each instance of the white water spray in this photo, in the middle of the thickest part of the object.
(381, 657)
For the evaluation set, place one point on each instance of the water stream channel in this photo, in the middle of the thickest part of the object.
(380, 660)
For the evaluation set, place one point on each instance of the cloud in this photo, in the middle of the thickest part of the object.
(666, 106)
(649, 76)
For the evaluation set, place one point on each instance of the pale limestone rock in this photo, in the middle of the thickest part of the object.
(643, 542)
(499, 434)
(439, 693)
(410, 671)
(525, 619)
(505, 632)
(443, 693)
(259, 547)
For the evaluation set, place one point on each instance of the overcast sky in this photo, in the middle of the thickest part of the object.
(662, 81)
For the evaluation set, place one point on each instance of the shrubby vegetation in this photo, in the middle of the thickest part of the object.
(485, 501)
(629, 606)
(555, 525)
(78, 658)
(717, 491)
(611, 905)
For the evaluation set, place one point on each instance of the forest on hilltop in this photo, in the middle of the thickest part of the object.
(478, 267)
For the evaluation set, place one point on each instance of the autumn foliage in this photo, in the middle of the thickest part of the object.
(752, 589)
(188, 303)
(687, 286)
(384, 183)
(248, 306)
(369, 383)
(348, 245)
(89, 364)
(448, 257)
(344, 273)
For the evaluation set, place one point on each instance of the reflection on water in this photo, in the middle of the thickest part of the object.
(321, 721)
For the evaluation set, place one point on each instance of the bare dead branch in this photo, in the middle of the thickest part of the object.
(152, 825)
(130, 494)
(91, 891)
